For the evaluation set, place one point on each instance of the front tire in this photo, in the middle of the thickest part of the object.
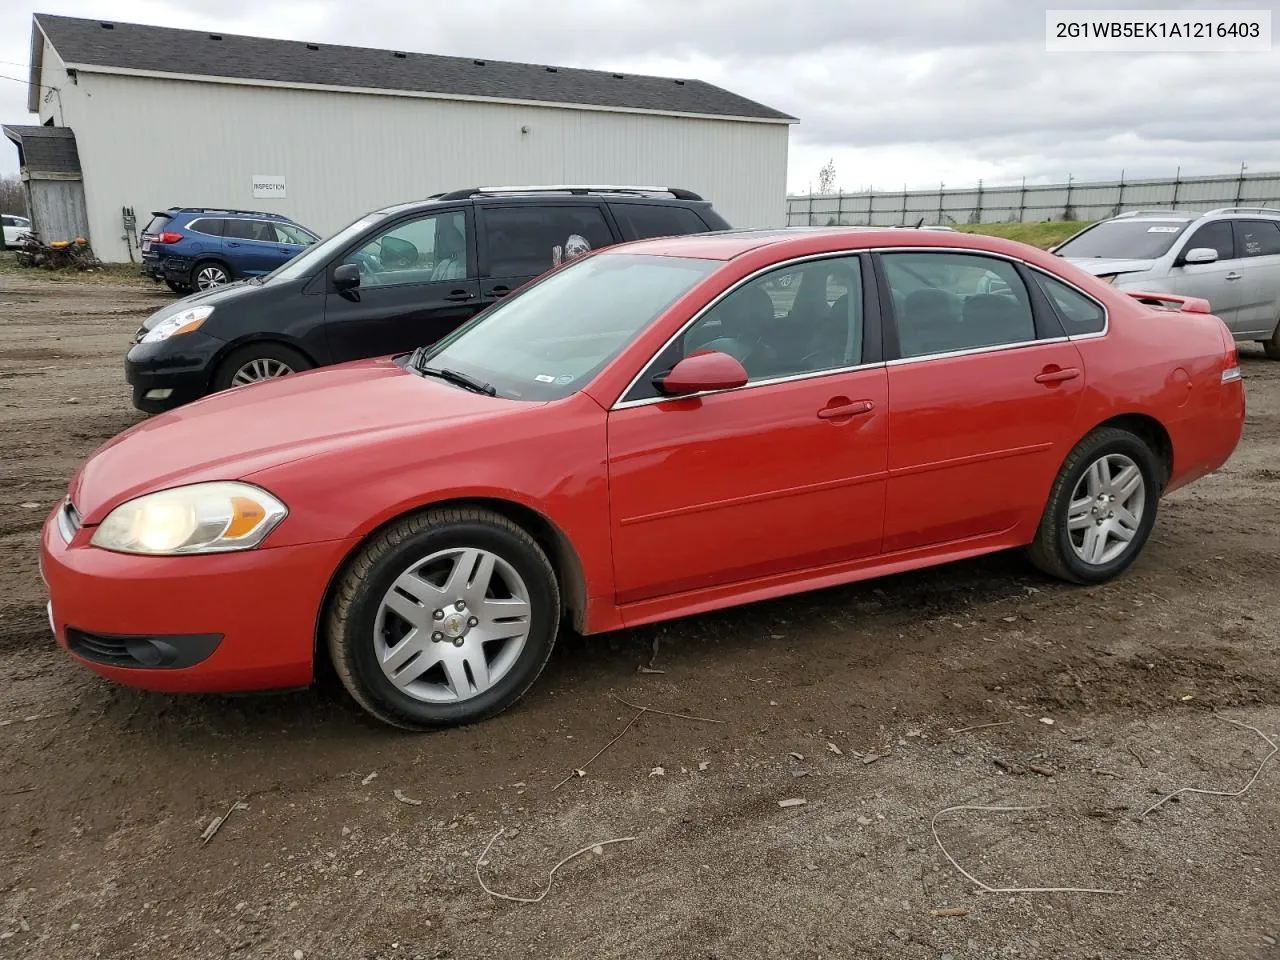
(255, 362)
(1101, 508)
(445, 618)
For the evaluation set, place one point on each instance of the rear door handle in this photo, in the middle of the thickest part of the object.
(1057, 376)
(843, 411)
(457, 296)
(232, 243)
(501, 290)
(1234, 276)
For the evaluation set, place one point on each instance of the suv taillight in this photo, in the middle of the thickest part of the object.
(168, 237)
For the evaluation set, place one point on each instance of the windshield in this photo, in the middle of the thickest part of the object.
(1124, 240)
(551, 338)
(307, 262)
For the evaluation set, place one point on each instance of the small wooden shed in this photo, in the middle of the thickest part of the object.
(50, 167)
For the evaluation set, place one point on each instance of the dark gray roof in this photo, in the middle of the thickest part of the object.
(138, 47)
(45, 149)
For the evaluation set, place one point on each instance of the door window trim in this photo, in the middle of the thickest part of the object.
(871, 341)
(382, 227)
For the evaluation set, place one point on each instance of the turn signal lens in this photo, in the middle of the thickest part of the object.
(200, 518)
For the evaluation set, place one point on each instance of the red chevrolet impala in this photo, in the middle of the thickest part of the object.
(654, 430)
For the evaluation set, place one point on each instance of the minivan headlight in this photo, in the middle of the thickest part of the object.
(178, 324)
(200, 518)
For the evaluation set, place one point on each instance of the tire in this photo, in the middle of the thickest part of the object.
(362, 632)
(258, 361)
(1272, 346)
(205, 275)
(1055, 550)
(181, 289)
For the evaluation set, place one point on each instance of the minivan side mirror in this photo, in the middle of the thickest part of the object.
(1200, 255)
(346, 276)
(711, 370)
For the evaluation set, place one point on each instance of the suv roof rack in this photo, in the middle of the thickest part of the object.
(1242, 210)
(575, 189)
(251, 213)
(1148, 212)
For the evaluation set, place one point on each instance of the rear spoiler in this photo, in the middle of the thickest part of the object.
(1181, 304)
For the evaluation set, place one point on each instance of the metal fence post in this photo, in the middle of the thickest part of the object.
(840, 209)
(1120, 197)
(1240, 184)
(1177, 182)
(811, 208)
(904, 203)
(1067, 213)
(979, 210)
(941, 186)
(1022, 202)
(871, 199)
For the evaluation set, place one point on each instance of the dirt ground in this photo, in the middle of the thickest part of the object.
(847, 699)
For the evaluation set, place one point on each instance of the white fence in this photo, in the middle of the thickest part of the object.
(1023, 203)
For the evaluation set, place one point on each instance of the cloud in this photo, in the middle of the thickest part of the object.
(918, 92)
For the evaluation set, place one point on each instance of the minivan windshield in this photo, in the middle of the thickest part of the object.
(549, 339)
(1124, 240)
(307, 262)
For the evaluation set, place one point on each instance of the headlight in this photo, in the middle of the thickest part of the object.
(200, 518)
(178, 324)
(1108, 278)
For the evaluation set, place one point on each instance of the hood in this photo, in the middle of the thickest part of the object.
(215, 297)
(1101, 267)
(241, 431)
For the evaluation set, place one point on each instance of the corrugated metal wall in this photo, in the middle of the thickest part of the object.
(149, 143)
(1060, 201)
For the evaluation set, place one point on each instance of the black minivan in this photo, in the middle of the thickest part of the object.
(395, 279)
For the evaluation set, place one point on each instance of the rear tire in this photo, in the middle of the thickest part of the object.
(181, 289)
(255, 362)
(445, 618)
(1272, 346)
(210, 274)
(1101, 508)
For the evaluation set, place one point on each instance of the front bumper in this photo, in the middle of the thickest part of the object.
(220, 623)
(172, 372)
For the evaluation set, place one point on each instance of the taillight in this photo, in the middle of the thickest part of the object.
(1232, 369)
(168, 237)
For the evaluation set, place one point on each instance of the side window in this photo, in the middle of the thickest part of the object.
(259, 230)
(644, 220)
(427, 250)
(790, 321)
(1257, 238)
(10, 222)
(290, 233)
(1078, 313)
(945, 302)
(209, 226)
(1217, 236)
(527, 240)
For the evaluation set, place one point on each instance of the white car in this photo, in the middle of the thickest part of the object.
(14, 227)
(1230, 257)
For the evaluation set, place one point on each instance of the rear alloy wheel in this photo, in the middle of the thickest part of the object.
(1101, 508)
(209, 274)
(445, 618)
(257, 362)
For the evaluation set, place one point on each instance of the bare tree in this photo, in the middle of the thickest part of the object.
(827, 177)
(13, 199)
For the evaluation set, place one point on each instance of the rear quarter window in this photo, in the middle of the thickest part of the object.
(207, 225)
(1078, 313)
(640, 221)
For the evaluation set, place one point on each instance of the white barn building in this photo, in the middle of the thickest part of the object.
(323, 133)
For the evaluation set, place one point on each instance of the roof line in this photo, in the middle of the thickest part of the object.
(417, 94)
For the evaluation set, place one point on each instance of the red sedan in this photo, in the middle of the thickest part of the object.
(658, 429)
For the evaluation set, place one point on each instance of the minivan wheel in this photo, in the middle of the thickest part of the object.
(208, 274)
(1101, 508)
(258, 361)
(445, 618)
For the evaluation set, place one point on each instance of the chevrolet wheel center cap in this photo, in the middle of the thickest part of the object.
(455, 625)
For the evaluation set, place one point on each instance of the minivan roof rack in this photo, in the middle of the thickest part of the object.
(1243, 210)
(576, 189)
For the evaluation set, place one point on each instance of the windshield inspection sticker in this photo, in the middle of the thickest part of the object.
(1163, 229)
(544, 378)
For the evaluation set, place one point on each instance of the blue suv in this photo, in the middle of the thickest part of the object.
(199, 248)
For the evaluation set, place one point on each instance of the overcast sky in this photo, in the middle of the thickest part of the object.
(917, 91)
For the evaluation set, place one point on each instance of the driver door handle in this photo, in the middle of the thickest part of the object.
(1234, 276)
(846, 409)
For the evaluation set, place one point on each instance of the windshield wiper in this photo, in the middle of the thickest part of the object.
(417, 361)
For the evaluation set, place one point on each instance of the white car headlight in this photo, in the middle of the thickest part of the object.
(179, 323)
(200, 518)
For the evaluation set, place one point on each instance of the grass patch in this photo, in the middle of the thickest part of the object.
(121, 274)
(1042, 235)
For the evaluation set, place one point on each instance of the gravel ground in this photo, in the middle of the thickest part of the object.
(848, 699)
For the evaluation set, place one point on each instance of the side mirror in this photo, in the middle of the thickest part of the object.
(711, 370)
(346, 276)
(1201, 255)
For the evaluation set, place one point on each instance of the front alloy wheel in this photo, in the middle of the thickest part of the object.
(261, 368)
(446, 617)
